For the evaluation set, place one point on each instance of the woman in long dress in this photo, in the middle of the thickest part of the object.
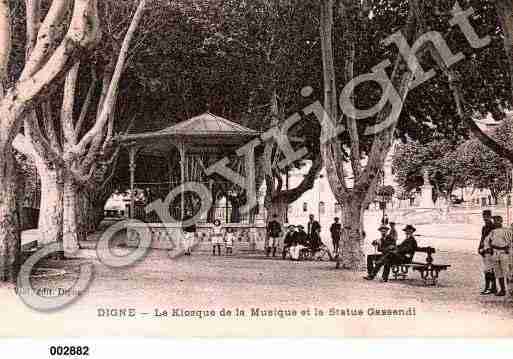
(217, 237)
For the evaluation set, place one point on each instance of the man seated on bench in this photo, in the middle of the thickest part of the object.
(402, 254)
(300, 244)
(382, 245)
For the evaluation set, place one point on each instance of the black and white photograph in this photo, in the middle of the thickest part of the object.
(255, 168)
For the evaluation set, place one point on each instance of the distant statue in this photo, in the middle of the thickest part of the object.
(426, 178)
(426, 200)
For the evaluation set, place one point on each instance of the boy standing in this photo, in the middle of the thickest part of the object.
(228, 241)
(336, 229)
(490, 285)
(498, 244)
(274, 233)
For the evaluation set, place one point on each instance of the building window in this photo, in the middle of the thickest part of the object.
(305, 207)
(322, 208)
(338, 208)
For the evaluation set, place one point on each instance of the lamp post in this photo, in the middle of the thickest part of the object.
(508, 197)
(383, 202)
(319, 198)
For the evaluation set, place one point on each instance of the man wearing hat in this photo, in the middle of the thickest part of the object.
(300, 243)
(289, 240)
(383, 245)
(301, 236)
(274, 233)
(498, 245)
(336, 230)
(401, 254)
(489, 275)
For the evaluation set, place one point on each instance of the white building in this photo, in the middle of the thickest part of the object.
(320, 200)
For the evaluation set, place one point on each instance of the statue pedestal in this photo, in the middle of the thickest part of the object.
(426, 199)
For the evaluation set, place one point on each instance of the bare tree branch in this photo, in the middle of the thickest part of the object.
(33, 10)
(5, 41)
(49, 122)
(467, 117)
(45, 37)
(331, 151)
(86, 105)
(110, 98)
(81, 35)
(68, 103)
(348, 12)
(401, 78)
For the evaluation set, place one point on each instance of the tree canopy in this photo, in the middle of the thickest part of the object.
(467, 163)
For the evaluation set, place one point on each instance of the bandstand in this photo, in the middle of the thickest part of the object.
(163, 160)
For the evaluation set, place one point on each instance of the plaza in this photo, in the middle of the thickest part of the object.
(274, 288)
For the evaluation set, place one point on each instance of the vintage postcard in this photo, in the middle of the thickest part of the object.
(264, 168)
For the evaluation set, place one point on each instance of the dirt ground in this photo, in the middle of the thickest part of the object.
(275, 287)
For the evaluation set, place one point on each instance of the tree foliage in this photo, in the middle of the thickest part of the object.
(450, 165)
(412, 159)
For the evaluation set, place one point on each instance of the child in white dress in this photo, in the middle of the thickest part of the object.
(229, 238)
(217, 237)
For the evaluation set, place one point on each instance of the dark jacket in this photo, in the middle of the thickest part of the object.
(485, 231)
(335, 230)
(384, 244)
(289, 238)
(408, 247)
(313, 228)
(274, 229)
(301, 238)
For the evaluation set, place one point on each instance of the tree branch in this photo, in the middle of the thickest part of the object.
(331, 151)
(401, 79)
(87, 103)
(5, 42)
(23, 145)
(40, 143)
(33, 10)
(113, 168)
(80, 36)
(468, 119)
(347, 11)
(39, 50)
(291, 195)
(68, 103)
(505, 15)
(111, 95)
(49, 122)
(465, 115)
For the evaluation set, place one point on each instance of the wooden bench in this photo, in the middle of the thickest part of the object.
(429, 272)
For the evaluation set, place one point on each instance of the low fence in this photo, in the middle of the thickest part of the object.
(222, 213)
(447, 215)
(169, 236)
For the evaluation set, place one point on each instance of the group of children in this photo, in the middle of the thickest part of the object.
(222, 236)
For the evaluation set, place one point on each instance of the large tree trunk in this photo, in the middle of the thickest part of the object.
(279, 208)
(95, 216)
(70, 216)
(90, 213)
(355, 199)
(351, 254)
(83, 212)
(10, 241)
(51, 208)
(42, 68)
